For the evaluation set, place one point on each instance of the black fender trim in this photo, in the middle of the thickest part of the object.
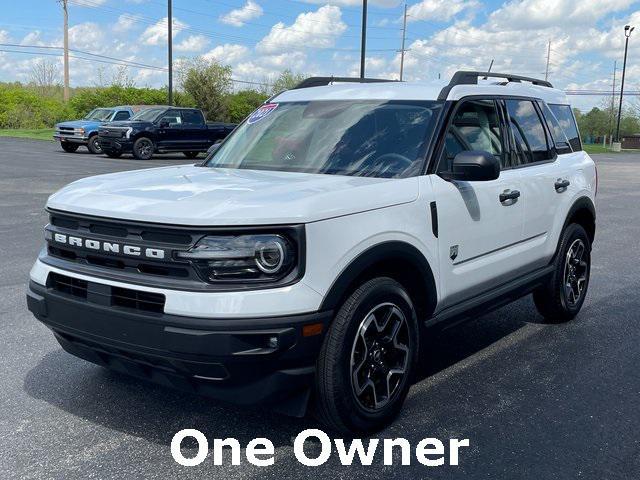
(372, 256)
(580, 204)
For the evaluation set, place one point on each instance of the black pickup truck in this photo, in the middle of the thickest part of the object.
(162, 130)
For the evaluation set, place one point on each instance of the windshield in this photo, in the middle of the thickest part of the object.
(100, 114)
(148, 115)
(361, 138)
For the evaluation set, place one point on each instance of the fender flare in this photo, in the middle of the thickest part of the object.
(581, 204)
(374, 255)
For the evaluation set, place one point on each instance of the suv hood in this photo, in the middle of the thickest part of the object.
(201, 196)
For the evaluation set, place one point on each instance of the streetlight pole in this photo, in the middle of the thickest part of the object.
(170, 50)
(363, 46)
(627, 33)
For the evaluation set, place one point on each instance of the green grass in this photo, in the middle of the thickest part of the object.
(35, 134)
(596, 148)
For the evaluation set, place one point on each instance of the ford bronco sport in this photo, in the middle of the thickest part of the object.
(303, 260)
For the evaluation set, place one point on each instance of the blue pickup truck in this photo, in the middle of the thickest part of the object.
(75, 133)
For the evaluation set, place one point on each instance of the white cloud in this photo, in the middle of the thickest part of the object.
(125, 22)
(442, 10)
(239, 16)
(318, 29)
(193, 43)
(227, 54)
(531, 14)
(32, 38)
(157, 34)
(85, 36)
(357, 3)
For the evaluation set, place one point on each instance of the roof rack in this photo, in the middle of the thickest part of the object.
(464, 77)
(321, 81)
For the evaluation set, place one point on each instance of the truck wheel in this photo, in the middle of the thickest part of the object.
(190, 154)
(94, 144)
(69, 147)
(143, 148)
(561, 298)
(368, 359)
(113, 153)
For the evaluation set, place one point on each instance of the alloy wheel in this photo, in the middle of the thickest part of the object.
(576, 270)
(380, 356)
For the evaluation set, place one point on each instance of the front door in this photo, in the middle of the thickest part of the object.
(170, 130)
(480, 223)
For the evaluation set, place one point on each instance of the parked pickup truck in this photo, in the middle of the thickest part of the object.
(75, 133)
(162, 130)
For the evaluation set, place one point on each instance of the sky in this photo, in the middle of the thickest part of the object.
(260, 38)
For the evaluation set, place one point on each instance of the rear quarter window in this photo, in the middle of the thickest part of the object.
(567, 122)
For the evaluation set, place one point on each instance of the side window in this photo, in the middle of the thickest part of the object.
(568, 123)
(475, 126)
(121, 115)
(192, 117)
(172, 117)
(559, 138)
(530, 138)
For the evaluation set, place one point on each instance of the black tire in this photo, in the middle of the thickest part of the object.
(94, 145)
(191, 154)
(336, 401)
(561, 298)
(143, 148)
(113, 153)
(69, 147)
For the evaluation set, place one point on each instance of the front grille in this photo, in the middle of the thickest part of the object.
(101, 294)
(144, 236)
(108, 132)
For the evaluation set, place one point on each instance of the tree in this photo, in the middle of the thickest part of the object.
(242, 103)
(121, 78)
(208, 83)
(45, 75)
(286, 81)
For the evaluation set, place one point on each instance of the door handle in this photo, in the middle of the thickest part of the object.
(561, 184)
(509, 195)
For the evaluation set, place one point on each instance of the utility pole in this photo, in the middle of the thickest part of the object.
(627, 33)
(546, 72)
(404, 34)
(613, 101)
(170, 49)
(66, 50)
(363, 46)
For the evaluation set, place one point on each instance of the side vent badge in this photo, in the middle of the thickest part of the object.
(453, 252)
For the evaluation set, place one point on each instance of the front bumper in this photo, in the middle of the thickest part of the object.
(116, 144)
(264, 361)
(71, 138)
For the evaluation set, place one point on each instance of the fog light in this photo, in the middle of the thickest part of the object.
(273, 342)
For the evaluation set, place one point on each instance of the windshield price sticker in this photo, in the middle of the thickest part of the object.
(262, 112)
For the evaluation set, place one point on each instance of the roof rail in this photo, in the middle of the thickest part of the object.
(321, 81)
(464, 77)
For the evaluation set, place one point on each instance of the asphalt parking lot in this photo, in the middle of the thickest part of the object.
(536, 401)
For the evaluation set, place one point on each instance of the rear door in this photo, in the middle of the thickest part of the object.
(195, 130)
(543, 173)
(479, 234)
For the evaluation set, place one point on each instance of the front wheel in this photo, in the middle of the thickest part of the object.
(560, 299)
(69, 147)
(190, 154)
(94, 145)
(368, 359)
(143, 148)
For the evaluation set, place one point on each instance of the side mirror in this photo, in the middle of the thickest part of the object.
(164, 124)
(473, 166)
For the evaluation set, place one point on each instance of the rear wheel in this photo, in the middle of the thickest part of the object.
(368, 359)
(143, 148)
(113, 153)
(190, 154)
(94, 144)
(562, 297)
(69, 147)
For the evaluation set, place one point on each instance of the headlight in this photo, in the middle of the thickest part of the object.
(128, 132)
(243, 258)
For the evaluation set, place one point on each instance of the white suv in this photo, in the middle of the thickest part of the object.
(303, 260)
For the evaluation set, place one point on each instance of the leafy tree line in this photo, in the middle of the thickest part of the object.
(601, 121)
(201, 83)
